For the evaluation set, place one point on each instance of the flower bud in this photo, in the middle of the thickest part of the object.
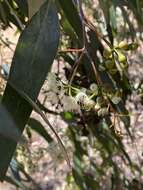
(123, 45)
(107, 53)
(94, 88)
(121, 57)
(97, 107)
(124, 65)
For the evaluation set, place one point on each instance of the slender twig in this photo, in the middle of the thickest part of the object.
(75, 67)
(77, 63)
(92, 27)
(38, 110)
(97, 76)
(81, 14)
(46, 110)
(70, 50)
(98, 79)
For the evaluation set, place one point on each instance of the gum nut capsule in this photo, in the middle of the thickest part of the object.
(109, 64)
(121, 57)
(123, 45)
(107, 53)
(124, 65)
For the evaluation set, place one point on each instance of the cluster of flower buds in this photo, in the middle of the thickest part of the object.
(82, 98)
(115, 58)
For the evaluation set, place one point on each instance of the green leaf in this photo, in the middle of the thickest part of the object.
(112, 13)
(72, 15)
(32, 60)
(6, 123)
(38, 127)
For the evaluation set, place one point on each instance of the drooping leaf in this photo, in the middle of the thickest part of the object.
(38, 127)
(112, 13)
(32, 60)
(72, 15)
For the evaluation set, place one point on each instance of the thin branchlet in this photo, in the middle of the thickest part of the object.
(38, 110)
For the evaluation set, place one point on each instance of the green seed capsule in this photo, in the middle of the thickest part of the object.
(123, 45)
(121, 57)
(107, 53)
(124, 65)
(110, 64)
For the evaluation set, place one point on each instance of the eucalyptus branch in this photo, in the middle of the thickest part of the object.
(70, 50)
(97, 76)
(81, 14)
(92, 27)
(74, 70)
(76, 65)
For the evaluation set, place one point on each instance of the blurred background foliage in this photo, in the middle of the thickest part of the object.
(100, 159)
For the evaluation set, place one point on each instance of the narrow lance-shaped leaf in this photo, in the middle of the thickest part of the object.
(72, 15)
(38, 127)
(33, 57)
